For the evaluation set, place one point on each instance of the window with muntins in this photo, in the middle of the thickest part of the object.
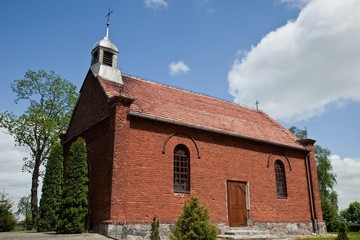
(280, 179)
(181, 169)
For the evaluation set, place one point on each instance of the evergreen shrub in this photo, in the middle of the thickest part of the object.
(194, 223)
(343, 232)
(74, 205)
(154, 232)
(7, 218)
(51, 190)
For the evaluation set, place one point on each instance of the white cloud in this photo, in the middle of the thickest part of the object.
(178, 67)
(155, 3)
(348, 179)
(294, 3)
(15, 183)
(303, 67)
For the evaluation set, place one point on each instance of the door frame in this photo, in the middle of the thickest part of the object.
(246, 201)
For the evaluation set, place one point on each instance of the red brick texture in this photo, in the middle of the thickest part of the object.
(148, 188)
(131, 156)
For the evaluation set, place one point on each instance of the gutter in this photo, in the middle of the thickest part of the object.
(144, 116)
(311, 194)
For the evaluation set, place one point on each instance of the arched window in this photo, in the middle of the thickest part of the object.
(181, 169)
(280, 179)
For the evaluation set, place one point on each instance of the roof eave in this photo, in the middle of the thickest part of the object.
(145, 116)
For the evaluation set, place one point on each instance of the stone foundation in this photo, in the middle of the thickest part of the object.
(132, 231)
(142, 231)
(285, 229)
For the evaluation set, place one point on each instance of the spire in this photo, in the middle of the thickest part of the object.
(104, 57)
(108, 22)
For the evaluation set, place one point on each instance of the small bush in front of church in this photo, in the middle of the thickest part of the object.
(194, 223)
(154, 232)
(343, 232)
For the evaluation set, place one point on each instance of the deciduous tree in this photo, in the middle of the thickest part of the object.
(50, 102)
(24, 209)
(352, 213)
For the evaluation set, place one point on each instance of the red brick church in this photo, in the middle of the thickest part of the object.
(151, 147)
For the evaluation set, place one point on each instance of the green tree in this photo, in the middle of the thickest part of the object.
(328, 196)
(343, 232)
(7, 218)
(24, 209)
(154, 232)
(51, 190)
(50, 102)
(352, 214)
(194, 223)
(327, 181)
(74, 204)
(303, 134)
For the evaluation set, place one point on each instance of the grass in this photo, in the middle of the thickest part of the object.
(352, 236)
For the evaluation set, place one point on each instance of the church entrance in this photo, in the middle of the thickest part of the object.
(236, 198)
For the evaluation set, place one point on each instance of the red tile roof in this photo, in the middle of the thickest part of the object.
(166, 103)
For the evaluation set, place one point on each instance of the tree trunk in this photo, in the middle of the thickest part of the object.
(34, 191)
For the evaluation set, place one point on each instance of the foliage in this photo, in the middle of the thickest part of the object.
(343, 232)
(74, 204)
(194, 223)
(154, 232)
(24, 209)
(7, 218)
(330, 215)
(302, 134)
(50, 102)
(51, 190)
(354, 227)
(327, 181)
(352, 214)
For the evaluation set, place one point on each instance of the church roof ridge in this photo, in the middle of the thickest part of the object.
(172, 104)
(192, 92)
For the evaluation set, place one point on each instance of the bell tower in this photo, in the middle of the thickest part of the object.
(104, 58)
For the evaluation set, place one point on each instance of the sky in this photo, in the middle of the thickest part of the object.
(299, 58)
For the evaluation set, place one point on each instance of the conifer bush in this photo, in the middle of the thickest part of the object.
(7, 218)
(194, 223)
(51, 190)
(343, 232)
(154, 232)
(74, 205)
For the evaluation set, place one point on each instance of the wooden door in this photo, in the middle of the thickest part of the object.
(236, 197)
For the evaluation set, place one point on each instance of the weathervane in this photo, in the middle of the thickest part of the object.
(108, 22)
(257, 104)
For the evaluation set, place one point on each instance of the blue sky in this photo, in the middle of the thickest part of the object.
(299, 58)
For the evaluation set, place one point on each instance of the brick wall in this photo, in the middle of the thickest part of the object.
(143, 175)
(90, 109)
(92, 120)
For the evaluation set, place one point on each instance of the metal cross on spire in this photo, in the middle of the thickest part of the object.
(108, 21)
(257, 104)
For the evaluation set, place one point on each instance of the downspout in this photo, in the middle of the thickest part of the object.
(311, 194)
